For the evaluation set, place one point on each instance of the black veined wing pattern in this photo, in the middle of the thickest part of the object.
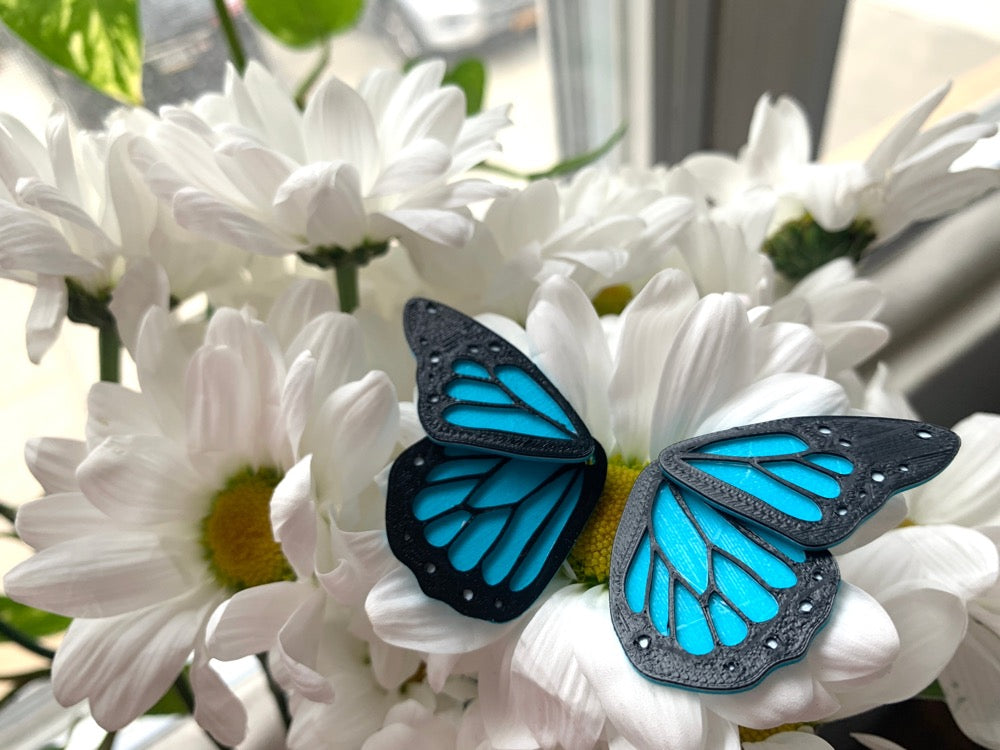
(479, 391)
(485, 509)
(719, 569)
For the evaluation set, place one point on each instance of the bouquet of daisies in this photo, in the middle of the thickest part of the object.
(452, 522)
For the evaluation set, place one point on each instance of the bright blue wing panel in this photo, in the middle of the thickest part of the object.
(702, 600)
(477, 390)
(810, 479)
(485, 532)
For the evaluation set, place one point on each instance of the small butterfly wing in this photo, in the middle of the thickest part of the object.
(485, 532)
(811, 479)
(703, 601)
(477, 390)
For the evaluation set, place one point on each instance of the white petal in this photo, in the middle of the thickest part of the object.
(708, 361)
(59, 517)
(857, 642)
(102, 575)
(449, 228)
(392, 666)
(216, 707)
(303, 300)
(45, 318)
(789, 394)
(635, 705)
(297, 400)
(124, 664)
(967, 492)
(209, 216)
(848, 344)
(404, 616)
(255, 170)
(420, 163)
(113, 409)
(33, 192)
(28, 242)
(788, 694)
(791, 741)
(221, 410)
(352, 436)
(569, 346)
(338, 126)
(161, 360)
(971, 684)
(550, 691)
(143, 285)
(875, 743)
(930, 624)
(143, 479)
(250, 620)
(293, 518)
(890, 148)
(648, 325)
(298, 642)
(787, 347)
(335, 342)
(829, 192)
(961, 561)
(53, 462)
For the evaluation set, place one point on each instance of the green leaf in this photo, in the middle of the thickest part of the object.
(565, 167)
(470, 76)
(30, 621)
(299, 23)
(170, 703)
(98, 40)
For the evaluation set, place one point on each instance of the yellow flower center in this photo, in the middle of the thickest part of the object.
(237, 536)
(590, 557)
(759, 735)
(611, 300)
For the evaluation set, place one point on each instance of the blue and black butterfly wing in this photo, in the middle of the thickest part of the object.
(476, 390)
(485, 532)
(811, 479)
(703, 601)
(719, 571)
(486, 508)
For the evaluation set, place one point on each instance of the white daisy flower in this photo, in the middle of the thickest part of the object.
(830, 210)
(355, 169)
(75, 216)
(172, 499)
(842, 310)
(601, 229)
(967, 494)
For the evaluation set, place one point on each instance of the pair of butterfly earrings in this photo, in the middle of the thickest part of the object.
(720, 569)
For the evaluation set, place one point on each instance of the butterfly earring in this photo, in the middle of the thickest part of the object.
(720, 569)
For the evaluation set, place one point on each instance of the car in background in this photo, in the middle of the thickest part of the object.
(448, 27)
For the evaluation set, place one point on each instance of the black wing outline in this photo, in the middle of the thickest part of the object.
(888, 456)
(468, 591)
(439, 336)
(802, 609)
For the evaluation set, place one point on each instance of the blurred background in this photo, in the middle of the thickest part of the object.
(684, 74)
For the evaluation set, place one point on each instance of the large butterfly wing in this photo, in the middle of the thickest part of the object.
(703, 601)
(477, 390)
(811, 479)
(485, 532)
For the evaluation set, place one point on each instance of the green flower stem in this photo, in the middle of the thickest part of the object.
(314, 73)
(108, 742)
(280, 699)
(109, 347)
(347, 284)
(25, 641)
(183, 688)
(236, 53)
